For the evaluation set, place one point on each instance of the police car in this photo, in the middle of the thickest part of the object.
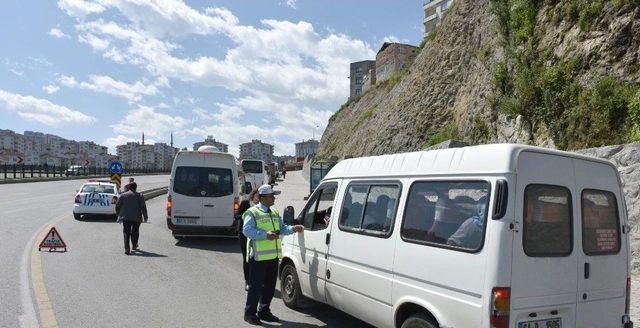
(96, 197)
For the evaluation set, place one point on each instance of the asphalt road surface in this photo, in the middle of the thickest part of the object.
(25, 208)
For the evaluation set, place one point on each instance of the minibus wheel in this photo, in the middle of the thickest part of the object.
(418, 320)
(77, 216)
(290, 286)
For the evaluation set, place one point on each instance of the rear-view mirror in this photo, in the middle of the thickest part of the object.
(289, 217)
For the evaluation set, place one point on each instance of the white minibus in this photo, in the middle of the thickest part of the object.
(254, 172)
(486, 236)
(203, 194)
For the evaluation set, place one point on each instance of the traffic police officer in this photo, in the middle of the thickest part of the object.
(263, 227)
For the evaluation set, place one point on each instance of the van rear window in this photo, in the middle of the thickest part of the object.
(600, 223)
(203, 181)
(252, 166)
(447, 214)
(547, 221)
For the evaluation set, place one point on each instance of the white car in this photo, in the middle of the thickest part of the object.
(96, 197)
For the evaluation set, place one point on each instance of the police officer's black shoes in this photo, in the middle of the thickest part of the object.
(252, 319)
(268, 316)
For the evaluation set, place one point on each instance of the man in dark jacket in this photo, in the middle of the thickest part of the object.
(131, 210)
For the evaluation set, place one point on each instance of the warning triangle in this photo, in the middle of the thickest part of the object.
(52, 240)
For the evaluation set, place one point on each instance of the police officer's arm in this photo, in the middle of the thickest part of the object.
(250, 230)
(287, 229)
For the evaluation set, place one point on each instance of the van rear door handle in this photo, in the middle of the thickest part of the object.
(208, 205)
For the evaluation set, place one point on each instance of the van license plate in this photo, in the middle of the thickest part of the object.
(547, 323)
(186, 221)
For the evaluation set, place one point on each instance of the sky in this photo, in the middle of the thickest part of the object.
(108, 70)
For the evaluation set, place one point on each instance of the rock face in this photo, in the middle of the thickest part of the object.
(447, 92)
(627, 160)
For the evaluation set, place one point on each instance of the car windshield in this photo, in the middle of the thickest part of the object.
(252, 166)
(108, 189)
(203, 181)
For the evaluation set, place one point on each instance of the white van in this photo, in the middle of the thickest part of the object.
(203, 194)
(485, 236)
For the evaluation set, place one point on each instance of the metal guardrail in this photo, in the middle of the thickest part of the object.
(19, 171)
(155, 192)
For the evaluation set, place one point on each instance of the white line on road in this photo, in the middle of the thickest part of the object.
(28, 317)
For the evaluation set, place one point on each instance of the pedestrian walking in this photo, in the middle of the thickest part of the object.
(263, 226)
(284, 173)
(244, 206)
(131, 211)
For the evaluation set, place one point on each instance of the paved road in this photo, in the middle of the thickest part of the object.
(24, 210)
(187, 283)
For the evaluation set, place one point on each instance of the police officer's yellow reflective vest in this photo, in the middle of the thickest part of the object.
(264, 249)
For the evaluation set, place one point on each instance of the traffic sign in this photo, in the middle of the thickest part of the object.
(117, 179)
(52, 241)
(116, 167)
(86, 162)
(20, 159)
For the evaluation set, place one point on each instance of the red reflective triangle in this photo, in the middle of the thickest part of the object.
(52, 240)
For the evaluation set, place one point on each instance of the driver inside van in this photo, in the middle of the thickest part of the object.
(469, 235)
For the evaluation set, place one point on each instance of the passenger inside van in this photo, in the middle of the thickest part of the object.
(469, 234)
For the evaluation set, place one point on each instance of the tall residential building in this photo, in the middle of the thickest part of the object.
(433, 12)
(138, 156)
(308, 147)
(223, 147)
(392, 58)
(358, 72)
(257, 149)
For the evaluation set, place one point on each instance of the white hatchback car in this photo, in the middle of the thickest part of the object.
(96, 197)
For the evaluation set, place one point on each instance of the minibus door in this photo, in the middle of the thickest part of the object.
(545, 261)
(217, 205)
(313, 243)
(602, 267)
(187, 200)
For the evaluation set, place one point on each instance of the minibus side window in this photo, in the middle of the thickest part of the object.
(369, 209)
(600, 223)
(447, 214)
(547, 221)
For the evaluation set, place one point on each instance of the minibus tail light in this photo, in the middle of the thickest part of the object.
(627, 299)
(236, 206)
(500, 307)
(169, 205)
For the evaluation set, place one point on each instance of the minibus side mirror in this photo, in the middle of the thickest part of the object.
(288, 217)
(501, 199)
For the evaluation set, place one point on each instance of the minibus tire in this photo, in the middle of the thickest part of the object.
(418, 320)
(292, 298)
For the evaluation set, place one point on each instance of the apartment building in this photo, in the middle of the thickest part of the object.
(307, 147)
(358, 72)
(257, 149)
(210, 141)
(392, 58)
(433, 12)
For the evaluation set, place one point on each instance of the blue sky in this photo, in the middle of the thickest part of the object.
(106, 70)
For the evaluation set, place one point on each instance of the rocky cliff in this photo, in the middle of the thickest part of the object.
(556, 73)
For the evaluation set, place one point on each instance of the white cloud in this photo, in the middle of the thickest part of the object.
(16, 71)
(153, 123)
(51, 89)
(289, 69)
(80, 8)
(42, 110)
(57, 33)
(104, 84)
(289, 3)
(95, 42)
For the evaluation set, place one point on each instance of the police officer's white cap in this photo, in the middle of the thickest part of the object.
(265, 190)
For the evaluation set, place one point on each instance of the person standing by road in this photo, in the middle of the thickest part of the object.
(244, 206)
(131, 211)
(263, 226)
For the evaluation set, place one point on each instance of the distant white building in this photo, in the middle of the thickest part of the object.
(135, 155)
(433, 12)
(223, 147)
(308, 147)
(257, 149)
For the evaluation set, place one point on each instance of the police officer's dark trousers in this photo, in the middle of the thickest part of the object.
(262, 285)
